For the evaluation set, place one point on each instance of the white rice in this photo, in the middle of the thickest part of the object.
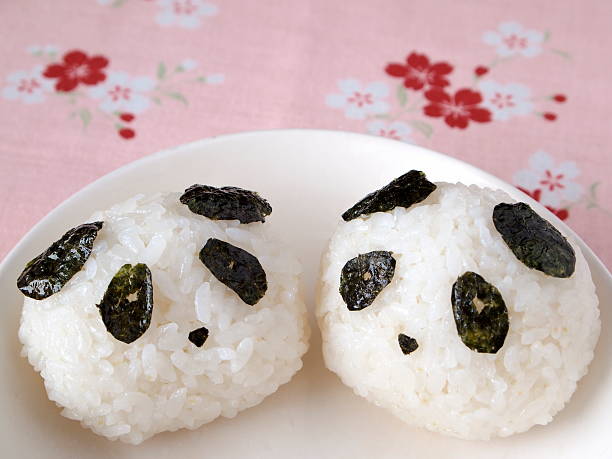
(443, 385)
(162, 381)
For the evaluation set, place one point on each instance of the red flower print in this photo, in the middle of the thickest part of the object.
(513, 41)
(481, 70)
(560, 98)
(457, 110)
(77, 68)
(127, 133)
(549, 116)
(502, 100)
(562, 214)
(127, 117)
(535, 195)
(28, 86)
(418, 72)
(187, 7)
(360, 99)
(552, 181)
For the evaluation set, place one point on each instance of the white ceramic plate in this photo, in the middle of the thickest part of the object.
(310, 177)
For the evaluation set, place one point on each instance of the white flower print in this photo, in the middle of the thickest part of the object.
(505, 101)
(34, 49)
(184, 13)
(512, 38)
(215, 78)
(50, 50)
(37, 50)
(121, 92)
(395, 130)
(554, 181)
(359, 101)
(29, 86)
(105, 2)
(188, 64)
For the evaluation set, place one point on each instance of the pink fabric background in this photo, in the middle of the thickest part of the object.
(280, 60)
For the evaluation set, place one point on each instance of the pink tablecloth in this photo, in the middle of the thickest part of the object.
(520, 89)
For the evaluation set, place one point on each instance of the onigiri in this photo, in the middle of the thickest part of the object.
(456, 335)
(204, 351)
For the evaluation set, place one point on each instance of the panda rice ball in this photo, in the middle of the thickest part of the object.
(456, 309)
(165, 312)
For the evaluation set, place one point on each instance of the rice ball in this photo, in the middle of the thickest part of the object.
(403, 351)
(170, 377)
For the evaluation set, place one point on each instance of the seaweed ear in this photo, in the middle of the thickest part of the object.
(47, 274)
(533, 240)
(226, 203)
(404, 191)
(480, 313)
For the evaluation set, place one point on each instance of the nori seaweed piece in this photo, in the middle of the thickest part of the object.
(364, 277)
(407, 344)
(483, 331)
(51, 270)
(236, 268)
(226, 203)
(533, 240)
(127, 305)
(404, 191)
(198, 336)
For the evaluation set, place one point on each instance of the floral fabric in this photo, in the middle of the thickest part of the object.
(522, 93)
